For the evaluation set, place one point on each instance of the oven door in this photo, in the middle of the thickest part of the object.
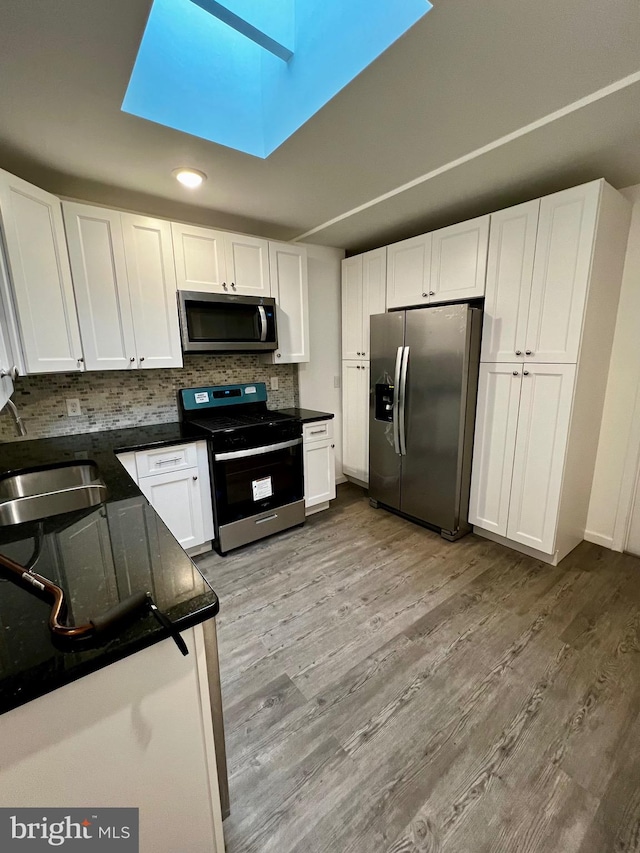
(248, 482)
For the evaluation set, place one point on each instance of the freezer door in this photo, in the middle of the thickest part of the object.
(437, 372)
(387, 344)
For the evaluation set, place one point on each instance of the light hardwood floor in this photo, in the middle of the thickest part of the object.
(387, 691)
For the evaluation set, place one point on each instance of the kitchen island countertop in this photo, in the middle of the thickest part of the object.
(99, 556)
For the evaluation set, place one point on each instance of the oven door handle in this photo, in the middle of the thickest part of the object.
(256, 451)
(263, 323)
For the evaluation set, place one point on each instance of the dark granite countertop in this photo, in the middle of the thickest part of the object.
(99, 556)
(307, 416)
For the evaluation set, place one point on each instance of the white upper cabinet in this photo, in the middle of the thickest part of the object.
(6, 381)
(409, 272)
(99, 269)
(219, 262)
(494, 446)
(352, 308)
(562, 267)
(363, 294)
(152, 288)
(125, 287)
(546, 401)
(512, 247)
(290, 288)
(40, 275)
(199, 258)
(459, 261)
(247, 265)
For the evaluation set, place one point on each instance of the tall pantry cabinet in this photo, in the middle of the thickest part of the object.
(553, 282)
(363, 294)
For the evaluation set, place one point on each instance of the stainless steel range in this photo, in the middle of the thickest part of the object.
(255, 457)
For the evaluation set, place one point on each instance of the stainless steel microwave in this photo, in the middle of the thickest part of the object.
(221, 322)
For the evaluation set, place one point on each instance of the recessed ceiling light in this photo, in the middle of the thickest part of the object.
(191, 178)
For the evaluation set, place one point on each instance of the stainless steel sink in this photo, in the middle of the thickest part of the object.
(37, 494)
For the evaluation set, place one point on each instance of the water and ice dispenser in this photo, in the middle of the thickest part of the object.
(384, 402)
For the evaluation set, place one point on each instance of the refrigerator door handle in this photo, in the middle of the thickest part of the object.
(402, 402)
(396, 401)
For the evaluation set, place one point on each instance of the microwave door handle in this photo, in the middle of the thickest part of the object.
(396, 402)
(263, 323)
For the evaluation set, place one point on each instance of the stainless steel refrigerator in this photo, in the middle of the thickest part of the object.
(424, 379)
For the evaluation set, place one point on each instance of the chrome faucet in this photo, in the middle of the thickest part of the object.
(22, 430)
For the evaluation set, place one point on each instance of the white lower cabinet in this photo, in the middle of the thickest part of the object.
(175, 480)
(319, 465)
(522, 430)
(355, 419)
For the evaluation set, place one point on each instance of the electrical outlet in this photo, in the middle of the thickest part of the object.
(73, 408)
(275, 383)
(336, 381)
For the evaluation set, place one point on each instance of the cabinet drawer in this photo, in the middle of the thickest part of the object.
(317, 431)
(164, 459)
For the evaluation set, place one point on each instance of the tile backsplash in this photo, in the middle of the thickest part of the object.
(115, 399)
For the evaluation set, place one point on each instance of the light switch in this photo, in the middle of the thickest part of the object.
(73, 408)
(275, 383)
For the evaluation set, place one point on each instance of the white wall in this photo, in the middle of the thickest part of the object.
(617, 459)
(317, 379)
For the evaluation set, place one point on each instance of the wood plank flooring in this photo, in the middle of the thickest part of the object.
(386, 691)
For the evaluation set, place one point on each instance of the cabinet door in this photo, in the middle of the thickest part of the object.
(459, 261)
(39, 268)
(512, 246)
(374, 291)
(355, 414)
(152, 285)
(494, 445)
(543, 427)
(319, 473)
(99, 270)
(352, 308)
(177, 499)
(561, 271)
(247, 265)
(408, 272)
(200, 260)
(291, 291)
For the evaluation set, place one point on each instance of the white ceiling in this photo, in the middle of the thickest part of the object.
(446, 109)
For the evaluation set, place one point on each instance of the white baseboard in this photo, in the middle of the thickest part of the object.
(599, 539)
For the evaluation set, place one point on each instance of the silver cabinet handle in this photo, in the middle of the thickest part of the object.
(195, 478)
(13, 373)
(233, 285)
(525, 372)
(518, 352)
(166, 461)
(515, 373)
(224, 284)
(132, 359)
(333, 445)
(141, 358)
(316, 431)
(432, 293)
(528, 352)
(278, 355)
(80, 361)
(425, 295)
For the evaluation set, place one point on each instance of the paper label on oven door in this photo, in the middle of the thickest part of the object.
(262, 488)
(202, 397)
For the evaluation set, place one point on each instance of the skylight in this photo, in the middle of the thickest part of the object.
(248, 73)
